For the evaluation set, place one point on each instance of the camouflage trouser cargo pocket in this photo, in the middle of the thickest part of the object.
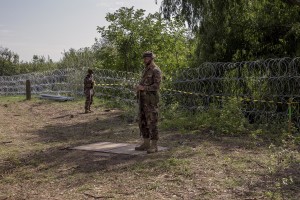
(152, 98)
(152, 119)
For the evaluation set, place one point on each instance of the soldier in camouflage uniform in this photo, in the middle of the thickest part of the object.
(148, 94)
(89, 90)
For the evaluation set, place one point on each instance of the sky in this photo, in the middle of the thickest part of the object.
(50, 27)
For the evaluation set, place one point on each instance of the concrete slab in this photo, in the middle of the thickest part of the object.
(115, 148)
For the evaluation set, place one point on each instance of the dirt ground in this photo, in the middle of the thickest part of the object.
(36, 162)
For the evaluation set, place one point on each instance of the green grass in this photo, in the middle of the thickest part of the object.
(203, 161)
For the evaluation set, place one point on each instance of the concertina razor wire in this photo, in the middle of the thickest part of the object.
(264, 91)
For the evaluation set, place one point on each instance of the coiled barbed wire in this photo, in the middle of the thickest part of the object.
(111, 84)
(266, 90)
(263, 90)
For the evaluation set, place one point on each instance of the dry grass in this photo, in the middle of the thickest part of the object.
(35, 162)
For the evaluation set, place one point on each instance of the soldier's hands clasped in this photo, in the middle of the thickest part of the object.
(139, 88)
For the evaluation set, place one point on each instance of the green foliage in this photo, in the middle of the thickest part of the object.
(130, 33)
(8, 62)
(280, 165)
(228, 120)
(236, 30)
(78, 59)
(38, 63)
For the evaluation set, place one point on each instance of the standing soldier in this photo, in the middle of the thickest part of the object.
(89, 90)
(148, 94)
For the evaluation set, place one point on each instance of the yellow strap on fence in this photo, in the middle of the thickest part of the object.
(206, 95)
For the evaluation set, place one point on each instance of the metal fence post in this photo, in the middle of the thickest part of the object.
(290, 115)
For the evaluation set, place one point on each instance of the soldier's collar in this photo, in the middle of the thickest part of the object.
(151, 66)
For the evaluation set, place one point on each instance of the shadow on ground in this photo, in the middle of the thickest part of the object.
(220, 156)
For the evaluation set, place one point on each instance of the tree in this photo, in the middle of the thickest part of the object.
(294, 2)
(81, 58)
(235, 30)
(130, 33)
(8, 62)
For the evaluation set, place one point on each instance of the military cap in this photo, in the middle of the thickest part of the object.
(148, 54)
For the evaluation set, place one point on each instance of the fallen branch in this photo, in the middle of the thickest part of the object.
(98, 197)
(5, 142)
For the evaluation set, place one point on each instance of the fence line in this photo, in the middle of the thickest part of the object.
(264, 91)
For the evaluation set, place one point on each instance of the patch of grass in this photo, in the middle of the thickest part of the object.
(232, 182)
(170, 165)
(153, 186)
(8, 179)
(25, 175)
(197, 166)
(14, 159)
(12, 99)
(228, 120)
(282, 164)
(177, 166)
(275, 195)
(83, 188)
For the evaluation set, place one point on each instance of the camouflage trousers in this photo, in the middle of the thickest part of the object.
(148, 119)
(89, 94)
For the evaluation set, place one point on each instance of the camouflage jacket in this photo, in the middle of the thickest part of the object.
(151, 78)
(89, 82)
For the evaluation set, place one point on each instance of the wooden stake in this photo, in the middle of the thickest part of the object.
(28, 90)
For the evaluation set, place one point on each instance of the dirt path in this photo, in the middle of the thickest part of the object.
(35, 162)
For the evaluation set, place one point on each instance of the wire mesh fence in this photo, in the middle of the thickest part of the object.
(265, 91)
